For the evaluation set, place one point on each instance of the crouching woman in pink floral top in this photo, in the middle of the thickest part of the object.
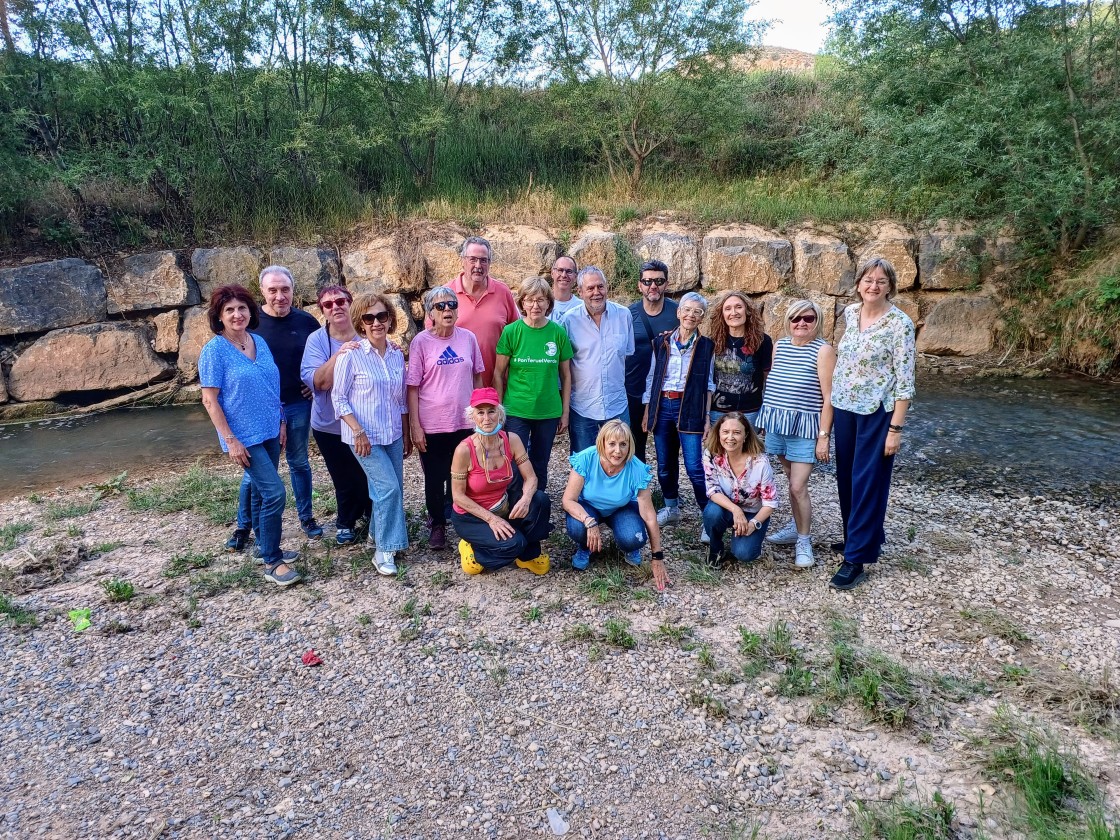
(740, 485)
(871, 392)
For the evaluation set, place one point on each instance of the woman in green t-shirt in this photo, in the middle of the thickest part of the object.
(533, 356)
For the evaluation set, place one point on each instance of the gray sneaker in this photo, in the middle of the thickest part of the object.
(668, 515)
(385, 562)
(786, 535)
(285, 556)
(286, 579)
(803, 554)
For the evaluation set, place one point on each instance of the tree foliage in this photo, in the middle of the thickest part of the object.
(1005, 109)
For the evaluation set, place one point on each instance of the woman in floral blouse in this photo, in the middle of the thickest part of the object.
(740, 485)
(871, 392)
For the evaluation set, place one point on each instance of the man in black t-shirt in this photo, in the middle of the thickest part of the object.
(653, 314)
(285, 331)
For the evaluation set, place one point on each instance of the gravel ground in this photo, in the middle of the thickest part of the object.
(507, 705)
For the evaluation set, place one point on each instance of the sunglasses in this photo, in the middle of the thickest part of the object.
(328, 305)
(654, 281)
(444, 305)
(804, 319)
(370, 318)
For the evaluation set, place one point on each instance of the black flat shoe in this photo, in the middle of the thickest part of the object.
(837, 547)
(848, 576)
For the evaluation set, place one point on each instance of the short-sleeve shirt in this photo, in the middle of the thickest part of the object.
(486, 318)
(248, 391)
(560, 308)
(609, 493)
(639, 362)
(443, 371)
(599, 360)
(320, 347)
(534, 355)
(739, 376)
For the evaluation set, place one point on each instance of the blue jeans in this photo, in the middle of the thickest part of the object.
(538, 436)
(717, 520)
(668, 443)
(752, 417)
(268, 514)
(298, 417)
(384, 469)
(582, 431)
(626, 524)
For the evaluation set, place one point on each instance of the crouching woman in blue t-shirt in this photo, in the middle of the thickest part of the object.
(609, 484)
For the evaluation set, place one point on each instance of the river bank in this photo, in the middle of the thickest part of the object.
(449, 706)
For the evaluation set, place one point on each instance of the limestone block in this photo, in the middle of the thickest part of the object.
(442, 263)
(953, 256)
(959, 325)
(895, 243)
(406, 327)
(49, 295)
(376, 267)
(167, 332)
(679, 252)
(520, 252)
(597, 249)
(96, 357)
(822, 263)
(196, 332)
(3, 388)
(774, 309)
(216, 267)
(312, 269)
(747, 258)
(910, 305)
(150, 281)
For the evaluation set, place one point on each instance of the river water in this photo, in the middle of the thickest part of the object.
(1027, 436)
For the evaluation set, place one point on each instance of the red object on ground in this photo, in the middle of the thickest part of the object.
(311, 659)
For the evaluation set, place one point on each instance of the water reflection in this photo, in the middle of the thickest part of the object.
(1029, 436)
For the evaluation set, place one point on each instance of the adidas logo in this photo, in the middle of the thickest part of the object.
(449, 357)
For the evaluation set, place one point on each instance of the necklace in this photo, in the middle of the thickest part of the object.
(243, 346)
(486, 455)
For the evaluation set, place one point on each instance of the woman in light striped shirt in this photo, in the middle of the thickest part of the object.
(797, 416)
(368, 396)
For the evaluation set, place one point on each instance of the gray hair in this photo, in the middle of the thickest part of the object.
(476, 240)
(888, 269)
(799, 307)
(468, 414)
(432, 295)
(589, 270)
(276, 269)
(695, 297)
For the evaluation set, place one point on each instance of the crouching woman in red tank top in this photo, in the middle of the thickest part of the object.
(498, 513)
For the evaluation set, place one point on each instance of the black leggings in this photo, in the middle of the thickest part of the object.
(351, 488)
(437, 472)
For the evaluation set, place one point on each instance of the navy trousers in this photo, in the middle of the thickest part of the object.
(863, 481)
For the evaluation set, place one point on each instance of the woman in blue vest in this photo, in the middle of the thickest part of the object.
(678, 398)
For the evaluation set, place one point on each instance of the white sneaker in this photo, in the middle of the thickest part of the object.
(385, 561)
(786, 535)
(803, 554)
(668, 515)
(704, 538)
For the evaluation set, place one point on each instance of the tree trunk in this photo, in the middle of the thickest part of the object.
(9, 43)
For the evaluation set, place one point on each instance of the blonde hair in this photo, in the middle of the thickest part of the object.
(536, 287)
(363, 304)
(799, 307)
(614, 429)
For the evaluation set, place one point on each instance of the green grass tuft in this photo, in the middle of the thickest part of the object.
(908, 820)
(10, 532)
(15, 614)
(210, 495)
(118, 590)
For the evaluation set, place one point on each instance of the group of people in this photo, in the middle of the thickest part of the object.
(495, 376)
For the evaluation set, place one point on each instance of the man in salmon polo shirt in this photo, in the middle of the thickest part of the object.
(486, 305)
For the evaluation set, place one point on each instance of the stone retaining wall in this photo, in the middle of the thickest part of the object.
(68, 326)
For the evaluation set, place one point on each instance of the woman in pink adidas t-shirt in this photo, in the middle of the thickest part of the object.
(444, 366)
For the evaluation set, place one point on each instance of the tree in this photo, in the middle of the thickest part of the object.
(1003, 109)
(635, 70)
(423, 56)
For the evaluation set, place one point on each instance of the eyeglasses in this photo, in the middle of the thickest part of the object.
(654, 281)
(570, 272)
(375, 317)
(444, 305)
(808, 318)
(328, 305)
(875, 282)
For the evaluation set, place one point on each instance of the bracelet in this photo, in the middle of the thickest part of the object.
(361, 433)
(657, 555)
(590, 522)
(893, 428)
(230, 438)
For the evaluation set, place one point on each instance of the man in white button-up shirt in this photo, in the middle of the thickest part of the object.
(602, 336)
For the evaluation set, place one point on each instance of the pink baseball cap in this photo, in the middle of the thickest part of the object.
(484, 396)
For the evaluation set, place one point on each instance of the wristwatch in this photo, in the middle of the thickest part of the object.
(756, 524)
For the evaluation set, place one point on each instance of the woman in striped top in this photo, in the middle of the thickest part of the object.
(797, 417)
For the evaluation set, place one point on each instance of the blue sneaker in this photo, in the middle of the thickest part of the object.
(344, 536)
(312, 528)
(581, 560)
(634, 558)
